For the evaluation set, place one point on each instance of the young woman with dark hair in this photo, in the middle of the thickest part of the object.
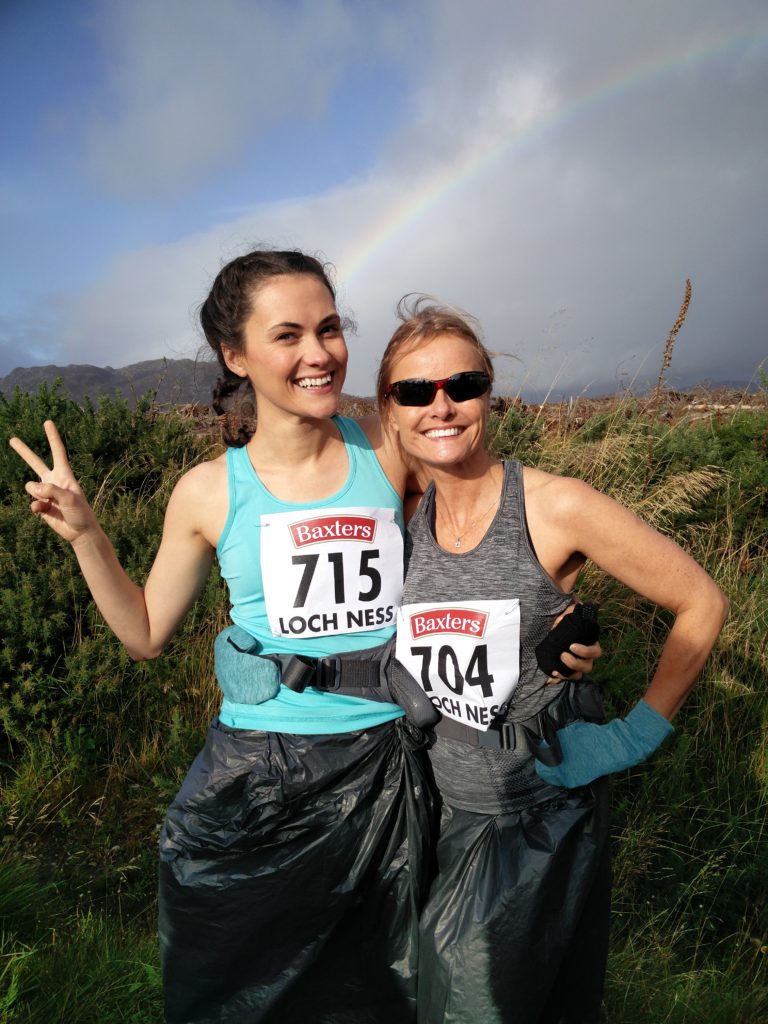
(293, 859)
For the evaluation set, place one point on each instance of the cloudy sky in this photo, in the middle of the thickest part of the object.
(557, 168)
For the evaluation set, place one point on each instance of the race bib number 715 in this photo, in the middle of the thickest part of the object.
(330, 571)
(465, 655)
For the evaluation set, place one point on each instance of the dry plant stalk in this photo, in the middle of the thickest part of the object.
(665, 363)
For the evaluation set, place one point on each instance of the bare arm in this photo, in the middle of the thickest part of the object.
(592, 525)
(142, 618)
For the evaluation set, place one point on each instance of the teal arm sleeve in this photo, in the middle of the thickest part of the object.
(591, 750)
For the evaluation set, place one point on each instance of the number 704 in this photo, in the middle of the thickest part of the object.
(450, 673)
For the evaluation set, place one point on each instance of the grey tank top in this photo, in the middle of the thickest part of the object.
(503, 565)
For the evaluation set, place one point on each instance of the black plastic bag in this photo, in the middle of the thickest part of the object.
(516, 926)
(292, 870)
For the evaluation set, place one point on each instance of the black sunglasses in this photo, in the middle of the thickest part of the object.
(459, 387)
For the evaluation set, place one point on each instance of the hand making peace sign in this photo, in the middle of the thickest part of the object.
(58, 498)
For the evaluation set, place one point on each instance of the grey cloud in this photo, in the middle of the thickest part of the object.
(193, 85)
(653, 170)
(570, 240)
(145, 306)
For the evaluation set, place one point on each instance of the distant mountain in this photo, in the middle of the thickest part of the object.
(176, 381)
(191, 381)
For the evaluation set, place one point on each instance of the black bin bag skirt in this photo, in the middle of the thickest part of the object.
(515, 930)
(292, 871)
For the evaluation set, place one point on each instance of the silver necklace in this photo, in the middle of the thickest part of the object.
(470, 524)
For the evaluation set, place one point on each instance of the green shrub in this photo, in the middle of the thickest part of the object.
(60, 667)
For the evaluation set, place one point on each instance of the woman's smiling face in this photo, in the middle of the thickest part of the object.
(444, 433)
(294, 351)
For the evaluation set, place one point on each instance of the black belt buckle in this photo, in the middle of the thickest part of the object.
(500, 736)
(508, 737)
(297, 671)
(328, 674)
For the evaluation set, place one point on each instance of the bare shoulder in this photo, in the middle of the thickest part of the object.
(387, 451)
(200, 499)
(559, 495)
(203, 479)
(373, 430)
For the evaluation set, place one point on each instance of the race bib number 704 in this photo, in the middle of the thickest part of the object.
(330, 571)
(465, 655)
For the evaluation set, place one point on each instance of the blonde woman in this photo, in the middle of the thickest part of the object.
(516, 926)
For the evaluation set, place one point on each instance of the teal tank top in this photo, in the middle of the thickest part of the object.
(315, 578)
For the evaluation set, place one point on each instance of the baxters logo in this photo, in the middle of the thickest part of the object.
(331, 528)
(448, 620)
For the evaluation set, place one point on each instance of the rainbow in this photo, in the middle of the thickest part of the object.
(613, 83)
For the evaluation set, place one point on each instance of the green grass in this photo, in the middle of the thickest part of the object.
(90, 972)
(93, 746)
